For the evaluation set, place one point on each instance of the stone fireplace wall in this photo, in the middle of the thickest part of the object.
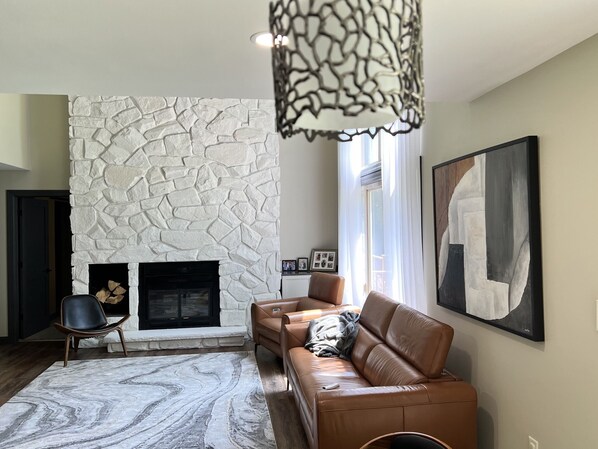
(157, 179)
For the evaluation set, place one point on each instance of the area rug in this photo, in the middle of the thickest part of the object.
(207, 401)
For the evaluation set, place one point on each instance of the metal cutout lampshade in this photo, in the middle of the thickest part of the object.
(350, 67)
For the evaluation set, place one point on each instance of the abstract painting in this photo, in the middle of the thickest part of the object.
(487, 234)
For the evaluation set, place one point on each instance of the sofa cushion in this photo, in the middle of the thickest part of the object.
(314, 372)
(384, 367)
(270, 328)
(364, 343)
(377, 312)
(311, 304)
(421, 340)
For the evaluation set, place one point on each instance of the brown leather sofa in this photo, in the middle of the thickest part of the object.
(325, 294)
(395, 382)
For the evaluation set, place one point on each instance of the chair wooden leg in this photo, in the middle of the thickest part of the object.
(122, 341)
(76, 343)
(67, 344)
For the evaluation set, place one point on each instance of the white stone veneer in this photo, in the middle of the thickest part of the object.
(157, 179)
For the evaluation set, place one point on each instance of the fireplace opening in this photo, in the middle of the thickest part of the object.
(109, 282)
(178, 294)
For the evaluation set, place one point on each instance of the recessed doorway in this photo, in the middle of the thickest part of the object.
(39, 261)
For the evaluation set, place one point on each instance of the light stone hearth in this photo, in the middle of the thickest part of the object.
(158, 179)
(198, 337)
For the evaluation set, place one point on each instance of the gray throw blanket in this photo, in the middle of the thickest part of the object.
(333, 335)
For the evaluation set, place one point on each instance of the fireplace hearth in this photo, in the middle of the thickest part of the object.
(178, 294)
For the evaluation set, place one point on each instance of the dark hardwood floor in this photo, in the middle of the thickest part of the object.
(20, 363)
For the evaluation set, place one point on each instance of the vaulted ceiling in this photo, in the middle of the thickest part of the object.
(202, 48)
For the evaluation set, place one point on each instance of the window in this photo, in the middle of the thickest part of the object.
(371, 181)
(375, 239)
(379, 219)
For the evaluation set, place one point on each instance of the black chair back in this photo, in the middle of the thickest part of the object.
(82, 312)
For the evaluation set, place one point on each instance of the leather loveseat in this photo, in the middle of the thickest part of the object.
(395, 381)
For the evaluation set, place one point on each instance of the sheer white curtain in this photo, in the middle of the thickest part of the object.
(401, 191)
(351, 222)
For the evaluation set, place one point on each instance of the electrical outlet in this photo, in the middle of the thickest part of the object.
(533, 444)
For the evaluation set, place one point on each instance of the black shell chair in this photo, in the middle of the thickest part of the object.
(406, 440)
(82, 316)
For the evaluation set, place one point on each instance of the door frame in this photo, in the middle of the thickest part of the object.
(12, 247)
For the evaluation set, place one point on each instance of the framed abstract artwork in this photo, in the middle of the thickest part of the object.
(487, 237)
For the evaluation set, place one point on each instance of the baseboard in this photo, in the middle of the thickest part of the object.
(4, 340)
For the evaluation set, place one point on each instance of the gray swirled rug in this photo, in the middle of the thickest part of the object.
(211, 400)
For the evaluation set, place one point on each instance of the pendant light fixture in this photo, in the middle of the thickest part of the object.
(349, 67)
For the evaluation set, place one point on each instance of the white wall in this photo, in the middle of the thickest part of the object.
(547, 390)
(48, 146)
(308, 216)
(309, 196)
(13, 132)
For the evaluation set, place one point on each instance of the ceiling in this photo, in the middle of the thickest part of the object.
(201, 47)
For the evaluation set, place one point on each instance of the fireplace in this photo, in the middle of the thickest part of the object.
(176, 179)
(178, 294)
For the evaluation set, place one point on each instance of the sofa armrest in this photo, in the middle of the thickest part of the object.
(276, 308)
(349, 308)
(293, 335)
(269, 309)
(308, 315)
(352, 417)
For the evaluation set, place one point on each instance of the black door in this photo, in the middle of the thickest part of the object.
(33, 266)
(63, 250)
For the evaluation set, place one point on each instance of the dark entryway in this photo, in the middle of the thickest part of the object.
(178, 294)
(39, 259)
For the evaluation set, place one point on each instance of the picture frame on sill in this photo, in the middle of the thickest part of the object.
(323, 260)
(289, 265)
(487, 233)
(302, 264)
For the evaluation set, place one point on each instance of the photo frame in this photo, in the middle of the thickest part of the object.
(289, 265)
(302, 264)
(487, 237)
(323, 260)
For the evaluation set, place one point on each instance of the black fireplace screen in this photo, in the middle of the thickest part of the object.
(179, 294)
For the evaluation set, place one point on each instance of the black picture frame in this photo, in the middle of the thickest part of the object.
(289, 265)
(487, 237)
(323, 260)
(303, 264)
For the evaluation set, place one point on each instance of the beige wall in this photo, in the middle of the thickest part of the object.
(47, 145)
(309, 198)
(547, 390)
(13, 132)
